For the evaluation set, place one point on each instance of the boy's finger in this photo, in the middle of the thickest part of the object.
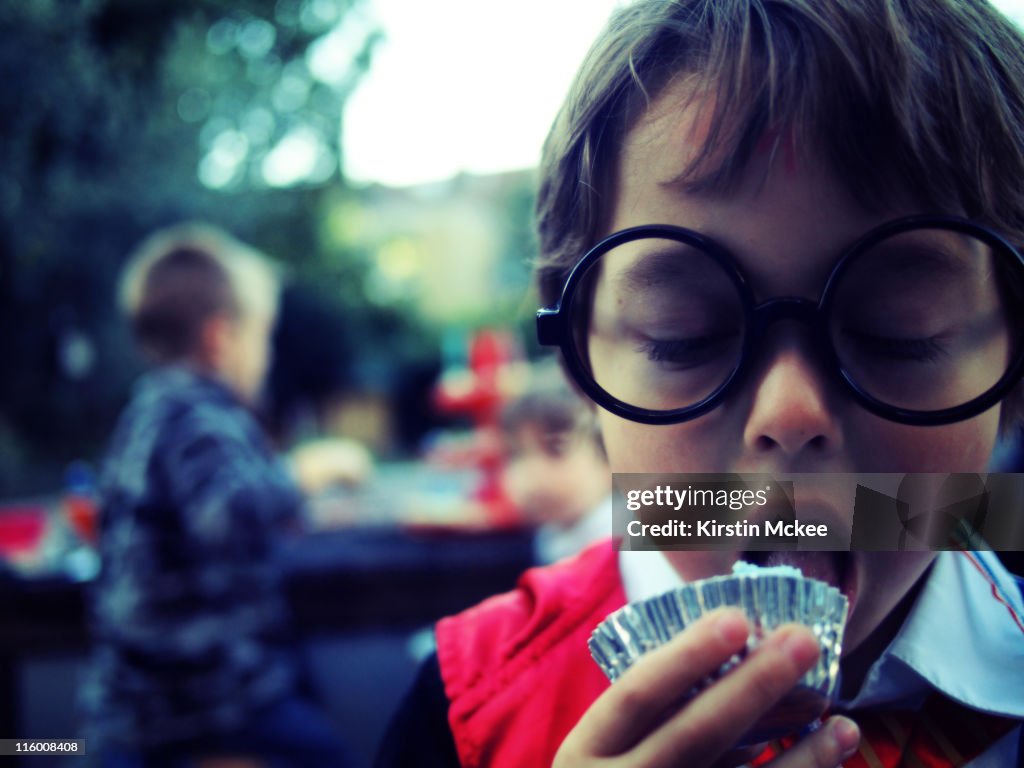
(710, 725)
(638, 701)
(827, 747)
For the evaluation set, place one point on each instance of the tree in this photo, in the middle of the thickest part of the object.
(125, 115)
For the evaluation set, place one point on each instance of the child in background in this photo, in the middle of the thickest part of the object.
(555, 470)
(194, 656)
(822, 281)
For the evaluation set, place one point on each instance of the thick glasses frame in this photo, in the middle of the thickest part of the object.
(554, 324)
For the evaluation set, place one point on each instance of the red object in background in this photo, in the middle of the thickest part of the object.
(79, 501)
(21, 529)
(477, 393)
(81, 513)
(501, 512)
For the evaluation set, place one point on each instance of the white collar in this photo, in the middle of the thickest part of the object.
(963, 637)
(646, 574)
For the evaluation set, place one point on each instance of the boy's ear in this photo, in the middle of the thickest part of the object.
(215, 340)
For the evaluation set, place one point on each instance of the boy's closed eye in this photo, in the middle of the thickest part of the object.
(692, 351)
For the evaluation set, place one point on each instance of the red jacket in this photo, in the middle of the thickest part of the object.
(518, 677)
(518, 663)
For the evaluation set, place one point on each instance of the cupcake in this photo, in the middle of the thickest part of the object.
(770, 597)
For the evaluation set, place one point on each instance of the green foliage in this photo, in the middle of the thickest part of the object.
(124, 115)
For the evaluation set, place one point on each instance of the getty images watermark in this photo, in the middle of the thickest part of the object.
(919, 511)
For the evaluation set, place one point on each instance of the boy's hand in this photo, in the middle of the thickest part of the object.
(632, 723)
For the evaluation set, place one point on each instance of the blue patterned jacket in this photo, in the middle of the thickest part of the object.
(188, 615)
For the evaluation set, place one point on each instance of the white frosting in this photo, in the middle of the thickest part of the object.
(743, 568)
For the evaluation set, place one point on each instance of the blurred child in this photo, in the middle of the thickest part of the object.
(775, 237)
(555, 471)
(194, 655)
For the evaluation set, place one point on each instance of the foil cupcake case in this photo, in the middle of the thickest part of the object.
(769, 597)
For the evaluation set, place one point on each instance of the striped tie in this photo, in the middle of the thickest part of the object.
(942, 734)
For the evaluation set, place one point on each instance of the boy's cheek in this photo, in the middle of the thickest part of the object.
(695, 446)
(877, 445)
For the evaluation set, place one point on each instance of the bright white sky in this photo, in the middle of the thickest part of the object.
(470, 85)
(464, 85)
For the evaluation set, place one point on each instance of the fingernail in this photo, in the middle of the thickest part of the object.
(846, 734)
(801, 647)
(732, 627)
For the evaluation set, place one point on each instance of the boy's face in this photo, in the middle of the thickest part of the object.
(787, 229)
(553, 477)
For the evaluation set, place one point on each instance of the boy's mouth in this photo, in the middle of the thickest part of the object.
(835, 568)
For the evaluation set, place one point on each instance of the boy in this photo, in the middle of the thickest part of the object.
(193, 657)
(747, 333)
(555, 471)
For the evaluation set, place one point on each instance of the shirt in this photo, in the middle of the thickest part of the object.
(979, 663)
(964, 637)
(188, 615)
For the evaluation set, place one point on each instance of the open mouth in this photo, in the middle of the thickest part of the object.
(834, 568)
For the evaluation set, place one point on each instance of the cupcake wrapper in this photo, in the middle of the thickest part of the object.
(768, 600)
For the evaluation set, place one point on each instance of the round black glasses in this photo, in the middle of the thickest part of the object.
(922, 319)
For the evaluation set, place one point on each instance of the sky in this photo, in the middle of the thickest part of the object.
(464, 85)
(470, 85)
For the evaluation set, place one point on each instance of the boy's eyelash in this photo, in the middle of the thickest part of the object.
(670, 350)
(924, 349)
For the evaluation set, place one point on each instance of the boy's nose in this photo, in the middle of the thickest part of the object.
(792, 411)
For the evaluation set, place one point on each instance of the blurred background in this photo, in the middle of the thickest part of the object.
(383, 153)
(125, 115)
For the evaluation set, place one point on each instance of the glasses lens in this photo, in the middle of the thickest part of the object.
(924, 320)
(658, 323)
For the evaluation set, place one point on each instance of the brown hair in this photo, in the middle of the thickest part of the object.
(182, 276)
(918, 96)
(553, 407)
(551, 412)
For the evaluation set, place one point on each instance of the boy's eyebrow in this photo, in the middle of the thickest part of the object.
(911, 257)
(666, 262)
